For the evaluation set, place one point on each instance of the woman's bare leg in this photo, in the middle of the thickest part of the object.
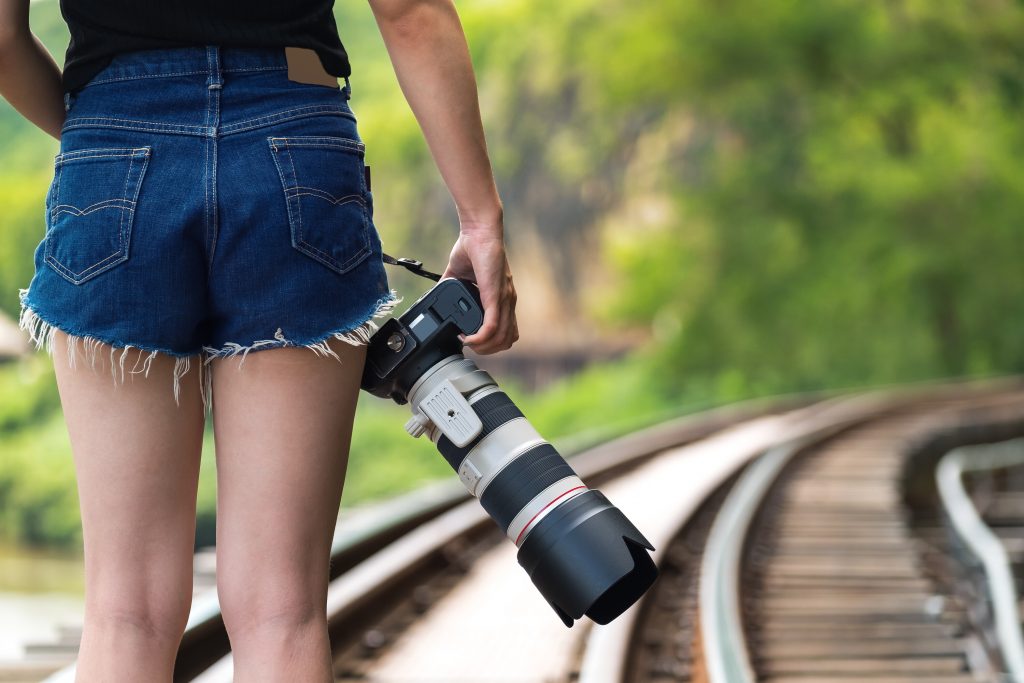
(283, 425)
(136, 456)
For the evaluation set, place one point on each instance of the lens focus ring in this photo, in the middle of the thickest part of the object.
(521, 480)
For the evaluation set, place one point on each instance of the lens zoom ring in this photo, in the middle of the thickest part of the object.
(494, 410)
(521, 480)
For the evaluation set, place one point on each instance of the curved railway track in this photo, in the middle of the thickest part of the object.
(810, 571)
(782, 532)
(986, 521)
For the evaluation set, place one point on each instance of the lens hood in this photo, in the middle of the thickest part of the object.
(587, 558)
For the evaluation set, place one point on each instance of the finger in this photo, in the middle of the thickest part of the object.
(514, 330)
(504, 325)
(511, 334)
(488, 340)
(510, 331)
(489, 325)
(501, 339)
(481, 340)
(514, 320)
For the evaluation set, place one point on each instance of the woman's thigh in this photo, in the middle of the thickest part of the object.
(295, 283)
(136, 454)
(283, 425)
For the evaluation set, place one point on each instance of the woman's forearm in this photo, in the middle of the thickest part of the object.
(31, 81)
(428, 49)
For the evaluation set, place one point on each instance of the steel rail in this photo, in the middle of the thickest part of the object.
(726, 656)
(607, 649)
(982, 543)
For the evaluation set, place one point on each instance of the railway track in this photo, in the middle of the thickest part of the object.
(825, 583)
(813, 572)
(970, 526)
(989, 543)
(832, 588)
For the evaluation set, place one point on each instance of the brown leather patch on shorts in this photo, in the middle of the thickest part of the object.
(304, 66)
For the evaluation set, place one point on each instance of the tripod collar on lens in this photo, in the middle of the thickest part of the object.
(447, 409)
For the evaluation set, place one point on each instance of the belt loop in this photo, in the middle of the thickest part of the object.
(213, 61)
(67, 102)
(347, 89)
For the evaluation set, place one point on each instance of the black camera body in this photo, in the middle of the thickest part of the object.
(581, 552)
(405, 347)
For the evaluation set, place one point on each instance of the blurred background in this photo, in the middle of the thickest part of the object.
(704, 201)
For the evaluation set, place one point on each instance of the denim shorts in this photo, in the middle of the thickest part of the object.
(203, 205)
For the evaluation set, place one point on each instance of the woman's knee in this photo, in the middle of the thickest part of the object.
(157, 609)
(278, 590)
(254, 606)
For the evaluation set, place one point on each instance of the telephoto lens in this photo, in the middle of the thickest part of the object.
(580, 551)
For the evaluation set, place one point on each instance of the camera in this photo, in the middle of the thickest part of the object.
(580, 551)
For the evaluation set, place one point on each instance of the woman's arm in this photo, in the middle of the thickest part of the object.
(29, 77)
(428, 50)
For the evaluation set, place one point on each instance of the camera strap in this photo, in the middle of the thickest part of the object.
(412, 265)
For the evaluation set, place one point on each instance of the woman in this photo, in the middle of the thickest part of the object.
(210, 205)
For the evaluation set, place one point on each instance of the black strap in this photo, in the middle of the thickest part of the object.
(412, 265)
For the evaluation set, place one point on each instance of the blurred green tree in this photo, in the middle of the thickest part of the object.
(845, 200)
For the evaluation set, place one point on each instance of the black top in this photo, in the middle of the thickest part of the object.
(102, 28)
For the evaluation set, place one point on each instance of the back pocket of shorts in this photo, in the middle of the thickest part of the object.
(91, 209)
(325, 192)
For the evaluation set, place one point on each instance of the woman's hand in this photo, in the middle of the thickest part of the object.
(479, 256)
(428, 49)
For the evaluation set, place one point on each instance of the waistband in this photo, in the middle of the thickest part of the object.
(213, 60)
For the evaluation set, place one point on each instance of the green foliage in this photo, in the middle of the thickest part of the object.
(38, 494)
(846, 205)
(22, 224)
(383, 459)
(29, 393)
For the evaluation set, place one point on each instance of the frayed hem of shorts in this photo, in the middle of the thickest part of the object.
(357, 336)
(41, 332)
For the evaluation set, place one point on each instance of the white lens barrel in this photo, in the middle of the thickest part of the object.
(495, 451)
(518, 476)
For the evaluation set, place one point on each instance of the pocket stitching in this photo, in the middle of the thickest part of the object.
(317, 141)
(124, 228)
(295, 217)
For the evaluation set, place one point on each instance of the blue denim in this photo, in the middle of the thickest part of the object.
(204, 205)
